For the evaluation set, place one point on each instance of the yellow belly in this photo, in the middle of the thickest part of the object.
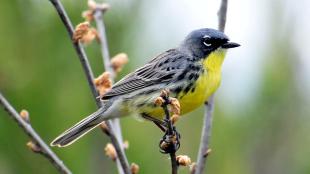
(206, 85)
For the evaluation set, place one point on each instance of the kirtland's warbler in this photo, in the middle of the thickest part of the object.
(191, 72)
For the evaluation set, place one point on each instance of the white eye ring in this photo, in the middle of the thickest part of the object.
(206, 44)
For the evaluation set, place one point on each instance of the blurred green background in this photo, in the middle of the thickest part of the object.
(261, 122)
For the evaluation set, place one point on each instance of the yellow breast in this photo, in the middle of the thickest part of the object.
(206, 84)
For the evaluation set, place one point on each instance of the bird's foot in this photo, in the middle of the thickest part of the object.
(170, 143)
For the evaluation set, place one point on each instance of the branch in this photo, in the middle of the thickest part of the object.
(205, 137)
(222, 13)
(170, 141)
(41, 146)
(98, 16)
(90, 77)
(174, 164)
(209, 107)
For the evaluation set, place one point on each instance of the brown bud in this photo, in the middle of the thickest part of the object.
(90, 36)
(118, 61)
(84, 33)
(103, 83)
(80, 30)
(33, 147)
(110, 151)
(159, 101)
(104, 128)
(175, 106)
(25, 115)
(207, 153)
(92, 5)
(174, 118)
(134, 168)
(88, 15)
(183, 160)
(164, 93)
(126, 144)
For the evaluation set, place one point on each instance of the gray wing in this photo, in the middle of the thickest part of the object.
(165, 68)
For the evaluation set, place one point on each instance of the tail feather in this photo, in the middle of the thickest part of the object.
(80, 129)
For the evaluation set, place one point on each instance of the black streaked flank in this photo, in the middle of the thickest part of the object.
(177, 90)
(188, 87)
(193, 89)
(191, 76)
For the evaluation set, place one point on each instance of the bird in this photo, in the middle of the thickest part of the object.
(191, 72)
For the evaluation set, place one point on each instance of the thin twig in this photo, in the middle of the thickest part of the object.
(98, 16)
(205, 138)
(46, 151)
(90, 77)
(171, 134)
(174, 164)
(209, 106)
(222, 13)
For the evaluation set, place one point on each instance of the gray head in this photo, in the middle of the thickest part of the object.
(202, 42)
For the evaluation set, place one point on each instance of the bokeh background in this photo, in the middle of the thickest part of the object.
(261, 122)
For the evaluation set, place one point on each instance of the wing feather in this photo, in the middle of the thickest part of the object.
(162, 69)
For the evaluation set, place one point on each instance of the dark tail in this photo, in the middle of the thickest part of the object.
(81, 128)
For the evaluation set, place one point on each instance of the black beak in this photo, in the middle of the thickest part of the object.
(230, 45)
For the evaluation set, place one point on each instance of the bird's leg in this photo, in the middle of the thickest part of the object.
(162, 125)
(167, 139)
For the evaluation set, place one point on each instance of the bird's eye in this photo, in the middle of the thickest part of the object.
(207, 41)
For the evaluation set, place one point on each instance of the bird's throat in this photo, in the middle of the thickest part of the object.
(213, 62)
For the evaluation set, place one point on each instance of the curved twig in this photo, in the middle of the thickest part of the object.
(209, 106)
(90, 77)
(44, 148)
